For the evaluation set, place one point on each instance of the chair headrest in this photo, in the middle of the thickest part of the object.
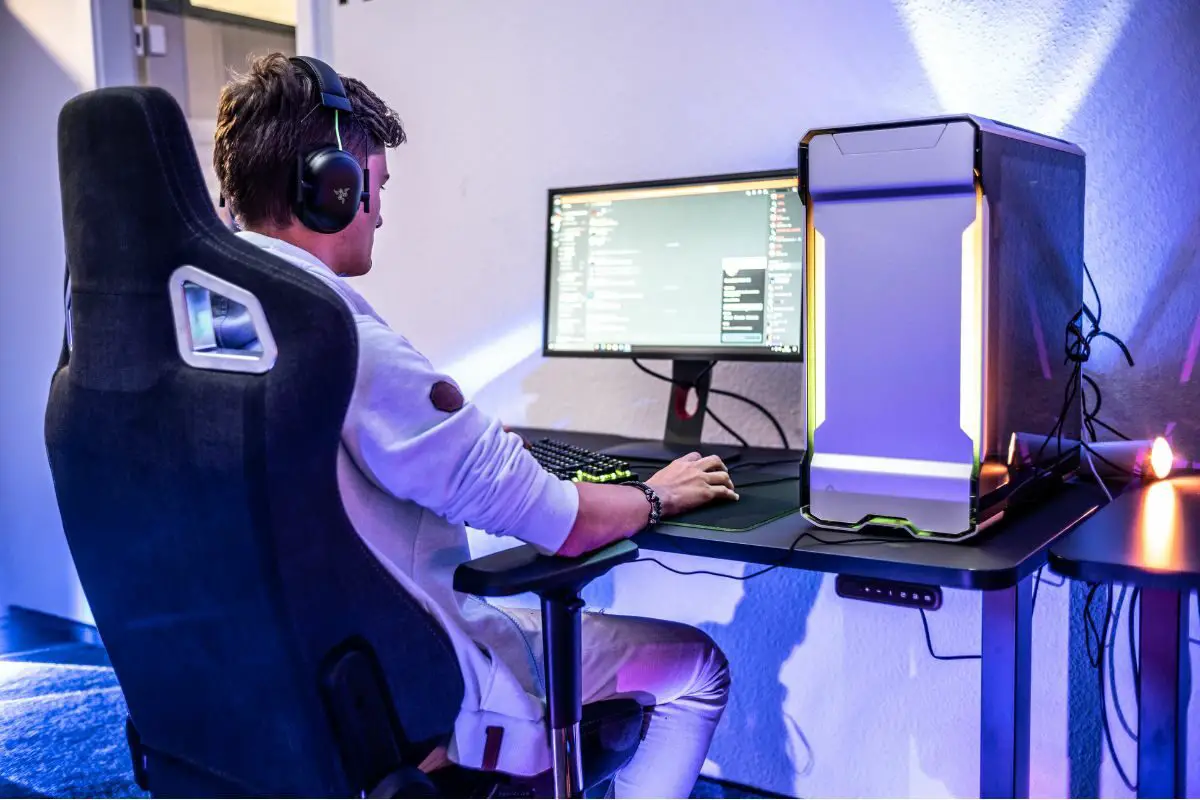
(132, 191)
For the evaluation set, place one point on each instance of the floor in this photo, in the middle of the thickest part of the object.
(62, 716)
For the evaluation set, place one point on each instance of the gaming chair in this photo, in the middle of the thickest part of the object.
(261, 648)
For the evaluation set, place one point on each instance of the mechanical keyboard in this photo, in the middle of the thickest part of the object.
(572, 463)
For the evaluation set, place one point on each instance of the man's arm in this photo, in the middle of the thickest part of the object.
(609, 512)
(411, 432)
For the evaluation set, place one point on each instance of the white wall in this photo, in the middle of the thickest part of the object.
(47, 54)
(502, 101)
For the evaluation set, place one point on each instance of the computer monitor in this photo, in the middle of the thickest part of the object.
(695, 270)
(698, 269)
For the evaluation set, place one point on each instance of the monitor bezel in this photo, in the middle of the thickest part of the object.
(672, 353)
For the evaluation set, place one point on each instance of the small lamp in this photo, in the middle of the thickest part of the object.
(1145, 459)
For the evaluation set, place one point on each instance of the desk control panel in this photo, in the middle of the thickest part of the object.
(893, 593)
(578, 464)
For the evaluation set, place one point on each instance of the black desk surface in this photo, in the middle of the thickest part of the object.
(997, 558)
(1149, 536)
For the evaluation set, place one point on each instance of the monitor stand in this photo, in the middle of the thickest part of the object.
(682, 434)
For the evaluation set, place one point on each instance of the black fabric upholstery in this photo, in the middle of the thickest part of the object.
(202, 508)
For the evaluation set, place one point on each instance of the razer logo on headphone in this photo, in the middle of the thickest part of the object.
(341, 194)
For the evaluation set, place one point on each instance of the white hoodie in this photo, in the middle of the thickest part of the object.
(411, 476)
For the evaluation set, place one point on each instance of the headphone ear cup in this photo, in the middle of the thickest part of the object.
(329, 185)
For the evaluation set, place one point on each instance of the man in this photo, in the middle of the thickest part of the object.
(418, 462)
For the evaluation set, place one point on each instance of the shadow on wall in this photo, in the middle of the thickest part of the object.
(869, 729)
(35, 564)
(758, 641)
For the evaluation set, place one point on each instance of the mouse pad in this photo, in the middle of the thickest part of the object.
(758, 504)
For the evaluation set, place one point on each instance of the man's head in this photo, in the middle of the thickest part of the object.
(270, 116)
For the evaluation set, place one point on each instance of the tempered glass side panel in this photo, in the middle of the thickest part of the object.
(1037, 285)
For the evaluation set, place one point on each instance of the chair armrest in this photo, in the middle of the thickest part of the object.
(523, 569)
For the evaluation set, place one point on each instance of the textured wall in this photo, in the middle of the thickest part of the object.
(503, 101)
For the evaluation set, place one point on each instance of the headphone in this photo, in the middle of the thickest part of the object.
(329, 184)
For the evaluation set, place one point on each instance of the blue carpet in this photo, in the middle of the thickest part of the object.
(62, 730)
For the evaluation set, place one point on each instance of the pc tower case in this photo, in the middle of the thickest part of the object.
(944, 265)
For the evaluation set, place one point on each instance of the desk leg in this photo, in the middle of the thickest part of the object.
(1162, 719)
(1005, 672)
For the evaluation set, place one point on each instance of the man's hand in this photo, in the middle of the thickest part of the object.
(690, 482)
(608, 512)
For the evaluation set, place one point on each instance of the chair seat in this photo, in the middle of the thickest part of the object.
(610, 732)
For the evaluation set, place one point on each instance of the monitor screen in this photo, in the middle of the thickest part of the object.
(703, 268)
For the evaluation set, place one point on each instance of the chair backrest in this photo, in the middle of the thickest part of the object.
(259, 644)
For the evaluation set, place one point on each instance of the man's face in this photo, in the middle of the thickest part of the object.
(358, 239)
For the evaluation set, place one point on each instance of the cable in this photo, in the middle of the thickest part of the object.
(783, 562)
(1091, 417)
(1038, 580)
(762, 571)
(1091, 451)
(1077, 344)
(1083, 351)
(764, 481)
(929, 644)
(1134, 660)
(1108, 739)
(684, 385)
(1099, 304)
(1088, 452)
(791, 549)
(1061, 582)
(1097, 661)
(745, 464)
(692, 386)
(1038, 472)
(728, 429)
(770, 417)
(681, 384)
(1112, 666)
(1089, 630)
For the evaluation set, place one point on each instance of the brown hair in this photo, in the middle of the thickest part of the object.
(270, 115)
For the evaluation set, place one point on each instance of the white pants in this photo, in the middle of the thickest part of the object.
(676, 667)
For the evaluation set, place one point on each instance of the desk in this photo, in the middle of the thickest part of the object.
(1150, 538)
(1000, 563)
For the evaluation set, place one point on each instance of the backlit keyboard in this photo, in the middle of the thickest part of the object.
(577, 464)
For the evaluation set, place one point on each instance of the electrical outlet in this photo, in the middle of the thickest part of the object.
(893, 593)
(155, 36)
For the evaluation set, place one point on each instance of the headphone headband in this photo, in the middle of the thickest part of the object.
(330, 184)
(329, 86)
